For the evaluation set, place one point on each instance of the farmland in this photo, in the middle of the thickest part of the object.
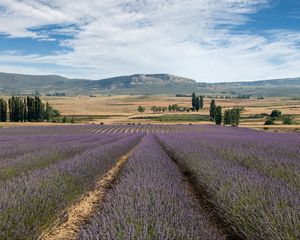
(148, 182)
(122, 109)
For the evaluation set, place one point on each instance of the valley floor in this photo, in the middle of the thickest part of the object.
(123, 110)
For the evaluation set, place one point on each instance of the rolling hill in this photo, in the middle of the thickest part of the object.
(143, 84)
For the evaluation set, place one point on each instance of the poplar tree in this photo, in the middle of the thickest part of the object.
(201, 102)
(3, 110)
(212, 109)
(197, 104)
(218, 115)
(48, 112)
(25, 112)
(30, 109)
(225, 118)
(194, 101)
(236, 116)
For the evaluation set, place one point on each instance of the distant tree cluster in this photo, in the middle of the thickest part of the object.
(230, 97)
(156, 109)
(173, 108)
(243, 97)
(170, 108)
(56, 94)
(232, 117)
(276, 115)
(30, 109)
(197, 102)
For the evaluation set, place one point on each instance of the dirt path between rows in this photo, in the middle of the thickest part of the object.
(202, 196)
(78, 213)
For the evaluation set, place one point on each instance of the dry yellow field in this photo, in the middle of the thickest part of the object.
(123, 109)
(127, 105)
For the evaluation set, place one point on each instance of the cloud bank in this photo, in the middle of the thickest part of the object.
(206, 40)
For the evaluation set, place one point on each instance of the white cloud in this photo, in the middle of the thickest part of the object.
(192, 38)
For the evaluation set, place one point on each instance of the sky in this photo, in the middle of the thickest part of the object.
(206, 40)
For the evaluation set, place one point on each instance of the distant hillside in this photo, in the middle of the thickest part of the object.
(142, 84)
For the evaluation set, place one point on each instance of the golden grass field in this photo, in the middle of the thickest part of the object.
(123, 109)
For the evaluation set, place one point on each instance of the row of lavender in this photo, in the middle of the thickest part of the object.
(20, 157)
(251, 178)
(96, 129)
(42, 172)
(150, 200)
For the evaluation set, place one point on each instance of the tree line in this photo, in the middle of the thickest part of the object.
(230, 117)
(158, 109)
(28, 109)
(276, 116)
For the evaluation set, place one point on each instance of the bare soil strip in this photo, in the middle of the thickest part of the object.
(78, 213)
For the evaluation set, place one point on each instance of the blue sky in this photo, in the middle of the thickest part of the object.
(207, 40)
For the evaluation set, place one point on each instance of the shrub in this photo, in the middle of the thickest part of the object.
(287, 120)
(276, 114)
(270, 121)
(64, 120)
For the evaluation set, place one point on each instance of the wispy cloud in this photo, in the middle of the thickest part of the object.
(193, 38)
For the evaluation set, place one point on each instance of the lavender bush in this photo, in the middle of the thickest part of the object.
(150, 201)
(43, 156)
(258, 203)
(251, 178)
(31, 201)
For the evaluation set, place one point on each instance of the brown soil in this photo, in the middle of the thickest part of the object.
(78, 213)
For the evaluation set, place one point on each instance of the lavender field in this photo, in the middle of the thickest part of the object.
(179, 182)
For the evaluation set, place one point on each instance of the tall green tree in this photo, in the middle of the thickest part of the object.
(22, 110)
(25, 110)
(197, 104)
(3, 110)
(237, 116)
(212, 109)
(225, 118)
(194, 101)
(48, 112)
(201, 102)
(17, 109)
(218, 115)
(12, 105)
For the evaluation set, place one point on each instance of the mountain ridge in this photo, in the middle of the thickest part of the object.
(11, 83)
